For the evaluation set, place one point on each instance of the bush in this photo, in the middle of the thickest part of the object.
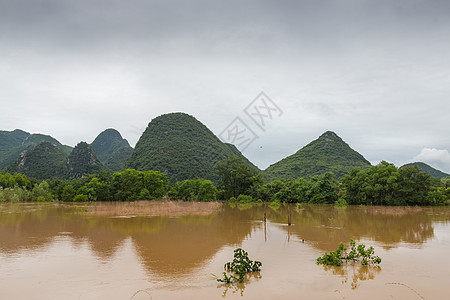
(341, 203)
(81, 198)
(240, 266)
(357, 253)
(244, 199)
(194, 190)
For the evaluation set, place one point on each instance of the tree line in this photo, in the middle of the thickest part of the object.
(383, 184)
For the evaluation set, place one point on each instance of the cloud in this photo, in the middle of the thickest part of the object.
(439, 159)
(374, 71)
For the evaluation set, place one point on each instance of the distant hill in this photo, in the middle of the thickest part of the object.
(180, 146)
(328, 153)
(42, 161)
(428, 169)
(12, 143)
(111, 149)
(82, 160)
(46, 161)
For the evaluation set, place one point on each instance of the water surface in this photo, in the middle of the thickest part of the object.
(168, 250)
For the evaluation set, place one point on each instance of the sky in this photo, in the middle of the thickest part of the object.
(376, 72)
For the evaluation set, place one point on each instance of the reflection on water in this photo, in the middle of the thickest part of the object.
(174, 240)
(355, 272)
(327, 226)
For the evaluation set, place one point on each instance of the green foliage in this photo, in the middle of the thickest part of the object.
(81, 161)
(116, 161)
(329, 153)
(439, 196)
(427, 169)
(332, 258)
(111, 149)
(129, 184)
(236, 177)
(42, 192)
(240, 266)
(275, 204)
(385, 184)
(180, 146)
(446, 182)
(341, 203)
(81, 198)
(68, 193)
(15, 194)
(12, 143)
(44, 160)
(245, 199)
(194, 190)
(17, 180)
(357, 253)
(322, 189)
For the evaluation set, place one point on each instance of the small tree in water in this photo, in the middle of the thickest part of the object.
(357, 253)
(240, 266)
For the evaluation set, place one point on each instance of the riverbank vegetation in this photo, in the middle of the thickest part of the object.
(383, 184)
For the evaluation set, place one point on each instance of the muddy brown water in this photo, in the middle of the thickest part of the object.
(169, 250)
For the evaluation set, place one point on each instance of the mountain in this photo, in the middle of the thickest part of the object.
(111, 149)
(42, 161)
(180, 146)
(428, 169)
(328, 153)
(82, 160)
(12, 143)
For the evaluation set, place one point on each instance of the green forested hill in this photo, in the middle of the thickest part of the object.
(45, 161)
(82, 160)
(12, 143)
(428, 169)
(42, 161)
(180, 146)
(328, 153)
(111, 149)
(117, 160)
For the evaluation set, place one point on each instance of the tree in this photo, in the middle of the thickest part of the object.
(130, 185)
(194, 190)
(323, 189)
(236, 177)
(68, 193)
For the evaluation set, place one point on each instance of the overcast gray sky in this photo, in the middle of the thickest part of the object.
(377, 72)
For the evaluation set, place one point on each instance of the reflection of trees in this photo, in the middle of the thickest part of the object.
(355, 272)
(327, 226)
(166, 245)
(38, 227)
(238, 287)
(169, 246)
(181, 246)
(234, 288)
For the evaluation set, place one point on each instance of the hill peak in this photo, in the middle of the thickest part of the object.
(329, 134)
(180, 146)
(112, 149)
(428, 169)
(328, 153)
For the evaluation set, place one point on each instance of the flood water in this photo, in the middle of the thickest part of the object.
(169, 250)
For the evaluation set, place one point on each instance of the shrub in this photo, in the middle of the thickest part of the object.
(244, 199)
(357, 253)
(240, 266)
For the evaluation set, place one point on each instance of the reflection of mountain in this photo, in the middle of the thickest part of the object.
(38, 226)
(327, 226)
(187, 242)
(171, 246)
(166, 245)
